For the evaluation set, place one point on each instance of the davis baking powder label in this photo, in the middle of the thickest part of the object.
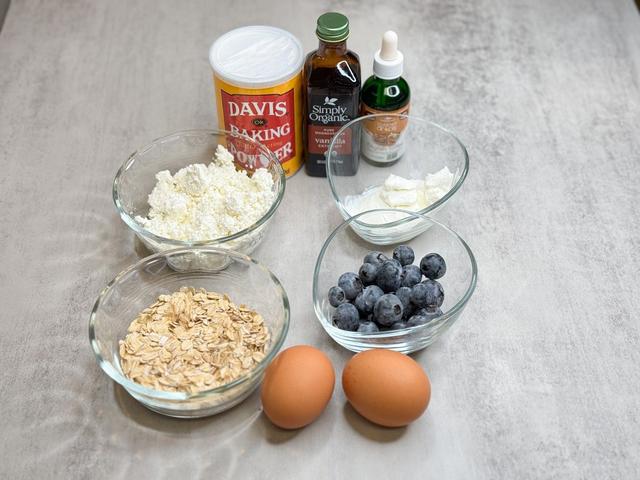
(265, 118)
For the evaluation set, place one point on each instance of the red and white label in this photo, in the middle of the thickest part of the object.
(268, 119)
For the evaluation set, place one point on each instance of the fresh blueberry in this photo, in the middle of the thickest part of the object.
(419, 295)
(434, 294)
(410, 276)
(377, 258)
(396, 262)
(351, 284)
(408, 312)
(366, 317)
(404, 254)
(346, 317)
(366, 300)
(399, 325)
(336, 296)
(368, 327)
(423, 316)
(404, 294)
(367, 273)
(387, 310)
(416, 320)
(388, 277)
(433, 266)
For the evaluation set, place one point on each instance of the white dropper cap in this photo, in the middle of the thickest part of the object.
(387, 62)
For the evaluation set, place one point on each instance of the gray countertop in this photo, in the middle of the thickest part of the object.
(540, 378)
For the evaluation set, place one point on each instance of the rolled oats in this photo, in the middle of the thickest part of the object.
(192, 340)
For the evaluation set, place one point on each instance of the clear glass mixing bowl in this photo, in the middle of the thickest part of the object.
(427, 148)
(344, 252)
(136, 178)
(243, 279)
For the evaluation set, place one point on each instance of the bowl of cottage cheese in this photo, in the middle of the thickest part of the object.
(200, 188)
(409, 164)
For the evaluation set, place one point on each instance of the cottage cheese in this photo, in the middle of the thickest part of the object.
(205, 202)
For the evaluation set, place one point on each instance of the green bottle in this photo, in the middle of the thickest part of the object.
(385, 92)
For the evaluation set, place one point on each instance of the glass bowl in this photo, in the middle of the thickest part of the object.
(243, 279)
(422, 147)
(344, 251)
(136, 179)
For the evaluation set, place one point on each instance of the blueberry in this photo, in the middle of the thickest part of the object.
(367, 273)
(387, 310)
(368, 327)
(410, 276)
(336, 296)
(388, 278)
(434, 294)
(377, 258)
(351, 284)
(404, 254)
(419, 295)
(423, 316)
(433, 266)
(366, 300)
(399, 325)
(346, 317)
(416, 320)
(404, 294)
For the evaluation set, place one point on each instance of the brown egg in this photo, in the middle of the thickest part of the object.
(386, 387)
(297, 386)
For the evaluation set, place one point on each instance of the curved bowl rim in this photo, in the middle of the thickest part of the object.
(140, 230)
(441, 201)
(390, 334)
(132, 386)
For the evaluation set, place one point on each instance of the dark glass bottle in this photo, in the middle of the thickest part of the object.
(332, 97)
(380, 95)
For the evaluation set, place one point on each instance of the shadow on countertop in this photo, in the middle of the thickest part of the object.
(4, 8)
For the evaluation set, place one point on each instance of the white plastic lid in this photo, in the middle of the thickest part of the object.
(256, 56)
(387, 62)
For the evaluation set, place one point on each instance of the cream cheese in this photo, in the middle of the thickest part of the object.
(402, 193)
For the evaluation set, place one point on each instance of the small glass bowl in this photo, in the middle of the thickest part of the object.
(136, 179)
(344, 251)
(242, 278)
(423, 148)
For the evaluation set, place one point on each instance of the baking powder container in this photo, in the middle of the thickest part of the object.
(257, 73)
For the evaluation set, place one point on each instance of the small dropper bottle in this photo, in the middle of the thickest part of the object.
(385, 92)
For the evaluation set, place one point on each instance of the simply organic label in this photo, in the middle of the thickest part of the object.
(326, 115)
(268, 119)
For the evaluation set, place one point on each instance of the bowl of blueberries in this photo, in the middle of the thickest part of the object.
(399, 297)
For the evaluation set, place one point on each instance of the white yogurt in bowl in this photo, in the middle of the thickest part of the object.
(432, 168)
(397, 192)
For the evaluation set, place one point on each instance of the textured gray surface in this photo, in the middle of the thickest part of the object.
(539, 378)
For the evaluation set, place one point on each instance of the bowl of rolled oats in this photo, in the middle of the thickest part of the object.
(190, 342)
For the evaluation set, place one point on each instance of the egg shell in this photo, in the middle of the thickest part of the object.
(297, 386)
(386, 387)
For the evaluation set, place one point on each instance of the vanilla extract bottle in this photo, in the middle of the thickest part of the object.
(332, 97)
